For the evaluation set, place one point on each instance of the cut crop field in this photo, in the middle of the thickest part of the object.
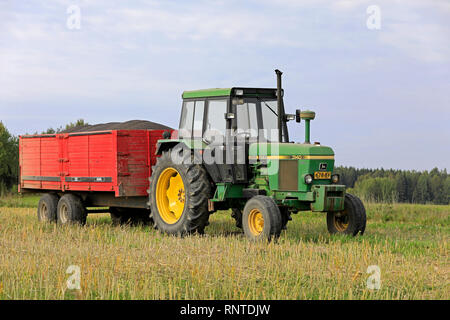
(408, 243)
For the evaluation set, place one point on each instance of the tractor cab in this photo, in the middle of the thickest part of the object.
(217, 114)
(225, 122)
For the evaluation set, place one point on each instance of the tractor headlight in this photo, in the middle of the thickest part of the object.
(335, 178)
(308, 179)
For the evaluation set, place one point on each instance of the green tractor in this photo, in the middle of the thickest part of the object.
(232, 151)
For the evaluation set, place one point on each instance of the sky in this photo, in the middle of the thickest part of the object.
(379, 81)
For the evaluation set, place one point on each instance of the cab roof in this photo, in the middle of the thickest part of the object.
(226, 92)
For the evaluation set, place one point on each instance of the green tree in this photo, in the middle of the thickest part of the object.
(437, 189)
(401, 187)
(421, 192)
(447, 190)
(9, 159)
(78, 123)
(70, 125)
(388, 190)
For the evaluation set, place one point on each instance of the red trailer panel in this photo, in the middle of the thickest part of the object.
(117, 161)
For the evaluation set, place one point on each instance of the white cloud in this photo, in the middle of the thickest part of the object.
(427, 42)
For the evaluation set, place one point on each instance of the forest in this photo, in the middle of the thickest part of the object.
(374, 185)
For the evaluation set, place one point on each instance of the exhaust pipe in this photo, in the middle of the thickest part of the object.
(280, 111)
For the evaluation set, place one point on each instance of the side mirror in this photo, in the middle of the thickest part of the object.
(229, 116)
(297, 115)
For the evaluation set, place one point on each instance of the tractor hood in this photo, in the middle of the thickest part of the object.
(289, 151)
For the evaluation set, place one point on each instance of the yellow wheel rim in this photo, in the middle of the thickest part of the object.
(256, 222)
(170, 195)
(341, 222)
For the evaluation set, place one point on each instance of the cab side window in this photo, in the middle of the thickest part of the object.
(247, 123)
(216, 123)
(191, 123)
(187, 117)
(198, 119)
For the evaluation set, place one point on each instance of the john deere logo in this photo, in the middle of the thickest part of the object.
(323, 166)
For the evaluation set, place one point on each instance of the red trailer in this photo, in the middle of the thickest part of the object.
(109, 168)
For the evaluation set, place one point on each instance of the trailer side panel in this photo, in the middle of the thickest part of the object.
(117, 161)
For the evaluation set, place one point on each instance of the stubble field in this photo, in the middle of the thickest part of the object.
(408, 243)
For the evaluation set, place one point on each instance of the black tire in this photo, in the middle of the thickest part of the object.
(362, 209)
(132, 216)
(197, 191)
(272, 221)
(71, 210)
(48, 204)
(236, 214)
(350, 220)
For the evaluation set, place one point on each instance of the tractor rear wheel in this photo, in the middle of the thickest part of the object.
(47, 206)
(71, 210)
(261, 219)
(351, 220)
(179, 194)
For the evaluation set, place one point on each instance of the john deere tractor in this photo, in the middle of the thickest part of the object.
(232, 151)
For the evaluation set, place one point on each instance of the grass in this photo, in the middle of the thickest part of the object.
(19, 201)
(409, 243)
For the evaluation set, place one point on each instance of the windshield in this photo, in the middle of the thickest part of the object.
(270, 119)
(257, 119)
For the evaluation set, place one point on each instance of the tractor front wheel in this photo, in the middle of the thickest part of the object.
(261, 219)
(351, 220)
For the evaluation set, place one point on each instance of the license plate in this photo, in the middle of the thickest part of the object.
(322, 175)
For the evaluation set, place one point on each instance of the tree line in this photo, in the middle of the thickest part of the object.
(378, 185)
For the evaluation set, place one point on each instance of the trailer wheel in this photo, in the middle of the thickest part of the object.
(349, 221)
(261, 219)
(71, 210)
(47, 207)
(179, 195)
